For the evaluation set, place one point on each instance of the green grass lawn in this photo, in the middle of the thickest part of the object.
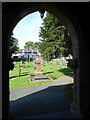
(22, 81)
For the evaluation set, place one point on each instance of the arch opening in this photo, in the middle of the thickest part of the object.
(67, 20)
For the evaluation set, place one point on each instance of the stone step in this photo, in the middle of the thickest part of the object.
(61, 115)
(39, 76)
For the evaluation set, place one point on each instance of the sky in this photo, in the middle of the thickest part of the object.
(27, 29)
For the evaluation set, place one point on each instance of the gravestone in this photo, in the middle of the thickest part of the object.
(19, 70)
(29, 77)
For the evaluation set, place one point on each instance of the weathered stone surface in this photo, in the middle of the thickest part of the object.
(38, 73)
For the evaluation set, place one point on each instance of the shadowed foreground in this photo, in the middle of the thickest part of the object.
(39, 100)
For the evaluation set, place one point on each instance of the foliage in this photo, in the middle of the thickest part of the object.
(30, 44)
(55, 38)
(13, 45)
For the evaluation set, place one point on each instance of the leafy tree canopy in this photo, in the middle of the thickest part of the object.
(30, 44)
(13, 45)
(55, 38)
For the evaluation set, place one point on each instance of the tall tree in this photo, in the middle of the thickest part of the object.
(13, 45)
(30, 44)
(55, 38)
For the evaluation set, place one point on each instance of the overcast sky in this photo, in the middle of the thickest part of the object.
(28, 29)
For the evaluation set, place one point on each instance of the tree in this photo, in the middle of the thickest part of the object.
(30, 44)
(55, 38)
(13, 45)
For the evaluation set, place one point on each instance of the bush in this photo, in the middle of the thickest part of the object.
(17, 59)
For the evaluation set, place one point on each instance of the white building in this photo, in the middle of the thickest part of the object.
(26, 54)
(68, 57)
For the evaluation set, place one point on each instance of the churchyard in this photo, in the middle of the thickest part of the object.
(23, 73)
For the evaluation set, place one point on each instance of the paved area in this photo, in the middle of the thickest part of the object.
(41, 99)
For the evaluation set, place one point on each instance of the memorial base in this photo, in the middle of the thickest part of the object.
(39, 76)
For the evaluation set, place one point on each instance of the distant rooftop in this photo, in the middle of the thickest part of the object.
(26, 50)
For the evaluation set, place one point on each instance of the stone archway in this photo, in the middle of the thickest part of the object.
(77, 40)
